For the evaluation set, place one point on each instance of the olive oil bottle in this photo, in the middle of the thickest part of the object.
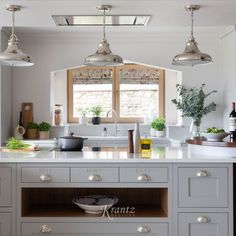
(146, 147)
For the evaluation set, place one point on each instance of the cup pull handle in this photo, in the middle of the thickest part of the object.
(95, 178)
(202, 219)
(45, 178)
(144, 229)
(202, 173)
(45, 229)
(144, 178)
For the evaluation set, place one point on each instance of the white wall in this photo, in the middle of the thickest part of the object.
(228, 72)
(52, 52)
(6, 95)
(58, 92)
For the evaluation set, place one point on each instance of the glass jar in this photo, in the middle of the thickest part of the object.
(58, 114)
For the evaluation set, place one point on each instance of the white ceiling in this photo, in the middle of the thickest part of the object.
(165, 14)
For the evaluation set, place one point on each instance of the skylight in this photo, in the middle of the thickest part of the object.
(115, 20)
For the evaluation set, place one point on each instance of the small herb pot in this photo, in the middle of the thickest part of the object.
(96, 120)
(43, 134)
(160, 133)
(32, 134)
(83, 120)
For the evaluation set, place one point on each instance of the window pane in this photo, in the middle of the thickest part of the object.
(92, 87)
(139, 92)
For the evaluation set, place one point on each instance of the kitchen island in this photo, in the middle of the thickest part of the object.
(170, 193)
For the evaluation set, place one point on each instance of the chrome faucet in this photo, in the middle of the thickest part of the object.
(115, 119)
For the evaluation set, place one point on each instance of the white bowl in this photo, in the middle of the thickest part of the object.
(218, 137)
(95, 204)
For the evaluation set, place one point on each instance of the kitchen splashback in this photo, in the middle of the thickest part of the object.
(174, 132)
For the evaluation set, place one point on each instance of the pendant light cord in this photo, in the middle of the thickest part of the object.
(13, 22)
(192, 21)
(13, 36)
(104, 23)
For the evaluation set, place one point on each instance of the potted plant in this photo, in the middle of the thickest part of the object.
(158, 125)
(96, 112)
(83, 120)
(44, 128)
(32, 130)
(191, 103)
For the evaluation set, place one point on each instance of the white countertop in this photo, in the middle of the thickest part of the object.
(159, 155)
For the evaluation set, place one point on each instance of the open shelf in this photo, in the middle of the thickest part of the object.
(57, 202)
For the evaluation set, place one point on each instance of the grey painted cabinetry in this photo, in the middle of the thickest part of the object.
(170, 199)
(93, 229)
(204, 200)
(203, 224)
(7, 200)
(5, 224)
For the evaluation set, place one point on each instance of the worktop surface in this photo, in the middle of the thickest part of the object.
(113, 155)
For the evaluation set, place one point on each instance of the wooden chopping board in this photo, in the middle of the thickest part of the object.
(30, 149)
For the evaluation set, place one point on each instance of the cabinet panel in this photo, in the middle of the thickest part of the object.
(5, 187)
(203, 187)
(158, 229)
(93, 174)
(203, 224)
(146, 174)
(45, 174)
(5, 224)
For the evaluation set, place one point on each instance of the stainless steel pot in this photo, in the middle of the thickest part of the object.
(71, 143)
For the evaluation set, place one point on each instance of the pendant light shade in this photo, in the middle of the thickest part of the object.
(13, 56)
(104, 56)
(191, 55)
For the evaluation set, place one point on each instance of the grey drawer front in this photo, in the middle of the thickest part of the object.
(217, 224)
(5, 224)
(93, 174)
(158, 229)
(35, 175)
(198, 190)
(141, 175)
(5, 187)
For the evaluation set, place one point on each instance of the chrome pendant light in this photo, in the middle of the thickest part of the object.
(104, 56)
(13, 56)
(191, 55)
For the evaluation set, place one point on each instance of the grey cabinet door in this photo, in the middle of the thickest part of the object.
(5, 186)
(5, 224)
(203, 224)
(93, 229)
(203, 187)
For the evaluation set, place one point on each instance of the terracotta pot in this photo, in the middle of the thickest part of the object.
(32, 134)
(43, 134)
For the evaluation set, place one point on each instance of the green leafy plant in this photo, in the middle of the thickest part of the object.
(96, 110)
(32, 125)
(192, 103)
(44, 126)
(158, 124)
(16, 144)
(214, 130)
(83, 111)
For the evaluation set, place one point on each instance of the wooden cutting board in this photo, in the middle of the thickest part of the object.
(30, 149)
(27, 113)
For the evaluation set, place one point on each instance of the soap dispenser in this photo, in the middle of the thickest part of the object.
(136, 138)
